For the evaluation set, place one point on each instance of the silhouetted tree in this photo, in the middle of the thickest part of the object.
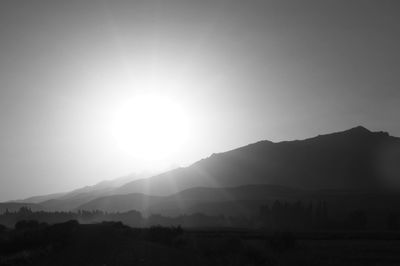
(392, 221)
(358, 220)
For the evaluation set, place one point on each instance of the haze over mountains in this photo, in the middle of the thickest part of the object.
(350, 163)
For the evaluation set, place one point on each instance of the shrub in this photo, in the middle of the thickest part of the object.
(28, 225)
(3, 228)
(161, 234)
(282, 241)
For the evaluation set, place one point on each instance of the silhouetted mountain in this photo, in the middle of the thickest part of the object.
(41, 198)
(200, 199)
(103, 187)
(72, 199)
(356, 159)
(352, 159)
(124, 202)
(242, 200)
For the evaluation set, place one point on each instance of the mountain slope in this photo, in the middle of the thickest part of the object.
(200, 199)
(243, 200)
(41, 198)
(352, 159)
(72, 199)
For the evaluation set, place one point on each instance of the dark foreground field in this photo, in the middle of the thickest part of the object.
(115, 244)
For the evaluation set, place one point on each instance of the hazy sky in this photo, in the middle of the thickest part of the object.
(243, 71)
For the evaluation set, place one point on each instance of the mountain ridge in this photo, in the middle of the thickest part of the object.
(242, 200)
(356, 158)
(339, 147)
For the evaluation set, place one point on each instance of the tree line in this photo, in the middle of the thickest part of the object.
(275, 216)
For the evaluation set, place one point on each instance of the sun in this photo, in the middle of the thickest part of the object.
(151, 127)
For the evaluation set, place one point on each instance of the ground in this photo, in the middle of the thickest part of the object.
(115, 244)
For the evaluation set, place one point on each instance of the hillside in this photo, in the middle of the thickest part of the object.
(352, 159)
(244, 201)
(233, 200)
(72, 199)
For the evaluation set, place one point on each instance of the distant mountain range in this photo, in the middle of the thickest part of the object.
(72, 199)
(349, 164)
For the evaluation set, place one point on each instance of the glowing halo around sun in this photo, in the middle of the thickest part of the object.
(151, 127)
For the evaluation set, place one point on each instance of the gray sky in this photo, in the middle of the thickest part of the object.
(243, 70)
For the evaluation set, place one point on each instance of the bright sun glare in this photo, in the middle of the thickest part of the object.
(151, 127)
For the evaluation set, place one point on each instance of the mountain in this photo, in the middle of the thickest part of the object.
(199, 199)
(352, 159)
(72, 199)
(41, 198)
(243, 200)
